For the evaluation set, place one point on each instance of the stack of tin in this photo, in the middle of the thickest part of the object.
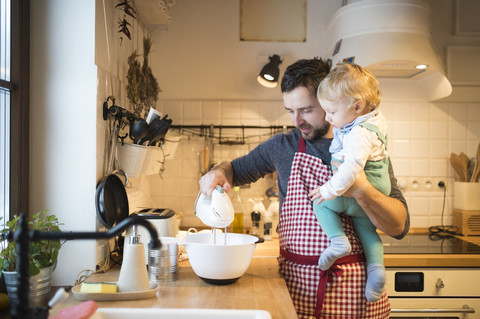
(163, 262)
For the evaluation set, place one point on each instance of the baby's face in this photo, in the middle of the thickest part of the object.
(340, 112)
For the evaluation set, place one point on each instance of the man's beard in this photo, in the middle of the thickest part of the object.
(317, 132)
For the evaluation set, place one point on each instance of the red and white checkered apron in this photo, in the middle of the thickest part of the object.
(341, 294)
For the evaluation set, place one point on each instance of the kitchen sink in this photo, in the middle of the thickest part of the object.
(156, 313)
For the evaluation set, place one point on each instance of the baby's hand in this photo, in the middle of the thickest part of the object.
(315, 194)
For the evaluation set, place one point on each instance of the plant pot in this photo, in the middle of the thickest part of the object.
(40, 286)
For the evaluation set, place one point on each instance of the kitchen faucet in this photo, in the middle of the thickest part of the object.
(23, 236)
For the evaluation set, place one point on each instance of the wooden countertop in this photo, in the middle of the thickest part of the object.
(261, 287)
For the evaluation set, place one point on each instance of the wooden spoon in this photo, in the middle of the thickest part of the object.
(476, 170)
(465, 164)
(458, 167)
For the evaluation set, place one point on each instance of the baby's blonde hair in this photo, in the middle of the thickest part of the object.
(353, 82)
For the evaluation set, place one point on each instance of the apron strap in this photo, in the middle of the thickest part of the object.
(302, 145)
(334, 270)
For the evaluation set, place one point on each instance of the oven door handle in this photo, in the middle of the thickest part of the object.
(464, 309)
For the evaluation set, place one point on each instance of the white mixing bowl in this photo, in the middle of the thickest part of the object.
(223, 262)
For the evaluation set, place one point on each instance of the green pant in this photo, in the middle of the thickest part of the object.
(327, 214)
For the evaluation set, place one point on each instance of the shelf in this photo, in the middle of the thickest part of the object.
(204, 126)
(208, 131)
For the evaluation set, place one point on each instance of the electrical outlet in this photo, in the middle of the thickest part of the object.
(440, 184)
(414, 184)
(422, 184)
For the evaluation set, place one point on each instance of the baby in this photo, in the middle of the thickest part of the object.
(350, 96)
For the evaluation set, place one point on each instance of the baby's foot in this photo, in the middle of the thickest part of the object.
(339, 247)
(375, 282)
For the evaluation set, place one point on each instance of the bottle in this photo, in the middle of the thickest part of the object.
(256, 216)
(258, 212)
(267, 225)
(274, 208)
(237, 224)
(133, 272)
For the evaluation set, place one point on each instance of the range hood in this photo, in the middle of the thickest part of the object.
(390, 38)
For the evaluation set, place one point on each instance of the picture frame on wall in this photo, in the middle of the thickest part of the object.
(465, 18)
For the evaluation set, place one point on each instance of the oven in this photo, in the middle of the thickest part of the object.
(432, 277)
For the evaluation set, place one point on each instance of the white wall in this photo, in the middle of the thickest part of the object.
(200, 55)
(62, 123)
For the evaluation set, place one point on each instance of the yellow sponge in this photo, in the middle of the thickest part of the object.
(99, 287)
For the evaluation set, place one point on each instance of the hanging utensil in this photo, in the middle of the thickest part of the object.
(111, 200)
(113, 145)
(138, 130)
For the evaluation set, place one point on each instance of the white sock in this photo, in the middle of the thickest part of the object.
(339, 247)
(375, 282)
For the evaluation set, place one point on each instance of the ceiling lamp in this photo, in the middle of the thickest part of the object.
(268, 77)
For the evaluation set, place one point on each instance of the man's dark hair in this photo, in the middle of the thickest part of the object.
(306, 72)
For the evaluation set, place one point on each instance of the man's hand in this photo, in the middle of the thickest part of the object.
(387, 213)
(219, 175)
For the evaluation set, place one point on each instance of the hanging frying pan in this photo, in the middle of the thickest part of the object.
(111, 200)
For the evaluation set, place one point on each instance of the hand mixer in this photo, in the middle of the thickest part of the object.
(216, 211)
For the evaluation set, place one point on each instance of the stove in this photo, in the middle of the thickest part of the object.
(428, 244)
(432, 292)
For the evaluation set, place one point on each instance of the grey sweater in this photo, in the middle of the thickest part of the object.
(276, 154)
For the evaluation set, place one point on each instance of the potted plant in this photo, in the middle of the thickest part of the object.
(43, 256)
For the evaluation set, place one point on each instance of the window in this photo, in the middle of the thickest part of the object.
(14, 106)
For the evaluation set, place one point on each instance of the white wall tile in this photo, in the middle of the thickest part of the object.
(458, 111)
(402, 111)
(401, 167)
(473, 110)
(270, 112)
(421, 222)
(419, 206)
(457, 146)
(439, 167)
(473, 130)
(231, 113)
(457, 130)
(420, 112)
(420, 167)
(420, 149)
(249, 110)
(421, 138)
(472, 146)
(400, 130)
(174, 109)
(401, 148)
(420, 129)
(439, 111)
(212, 113)
(436, 205)
(439, 130)
(439, 149)
(192, 112)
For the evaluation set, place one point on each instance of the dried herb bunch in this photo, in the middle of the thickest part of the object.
(142, 86)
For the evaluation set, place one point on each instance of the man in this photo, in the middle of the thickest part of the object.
(301, 159)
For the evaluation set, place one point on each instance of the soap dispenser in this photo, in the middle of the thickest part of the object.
(133, 273)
